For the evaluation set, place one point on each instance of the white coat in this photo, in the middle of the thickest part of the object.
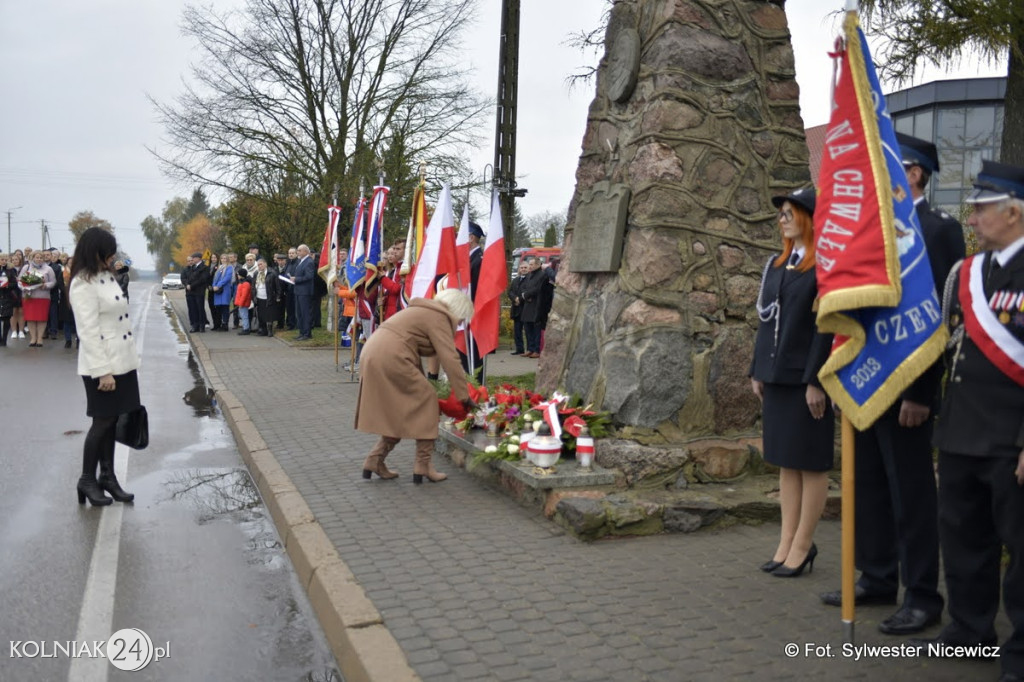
(101, 316)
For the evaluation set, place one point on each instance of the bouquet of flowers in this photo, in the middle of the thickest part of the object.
(30, 279)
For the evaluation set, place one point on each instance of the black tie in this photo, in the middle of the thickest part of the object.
(994, 270)
(794, 259)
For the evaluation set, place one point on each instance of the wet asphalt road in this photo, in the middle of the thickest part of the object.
(199, 566)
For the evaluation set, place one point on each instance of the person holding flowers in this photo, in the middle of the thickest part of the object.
(107, 361)
(36, 279)
(395, 398)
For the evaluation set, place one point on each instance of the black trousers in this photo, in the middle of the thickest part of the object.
(196, 313)
(896, 529)
(980, 510)
(532, 337)
(519, 334)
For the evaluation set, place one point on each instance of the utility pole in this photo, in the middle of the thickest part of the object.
(43, 229)
(505, 132)
(9, 212)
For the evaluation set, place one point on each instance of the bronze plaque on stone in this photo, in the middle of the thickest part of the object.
(599, 228)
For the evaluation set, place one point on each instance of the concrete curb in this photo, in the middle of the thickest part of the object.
(365, 649)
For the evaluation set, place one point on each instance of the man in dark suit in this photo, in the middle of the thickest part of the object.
(196, 277)
(980, 429)
(302, 281)
(52, 258)
(476, 258)
(515, 296)
(532, 293)
(897, 535)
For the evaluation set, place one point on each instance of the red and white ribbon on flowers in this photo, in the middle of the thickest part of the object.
(549, 412)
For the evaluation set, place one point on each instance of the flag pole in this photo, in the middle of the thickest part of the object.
(333, 307)
(848, 507)
(849, 482)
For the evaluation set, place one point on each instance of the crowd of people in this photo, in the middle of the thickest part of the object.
(34, 303)
(253, 296)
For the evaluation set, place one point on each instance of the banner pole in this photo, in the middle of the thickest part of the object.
(847, 523)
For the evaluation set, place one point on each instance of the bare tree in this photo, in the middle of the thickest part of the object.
(316, 93)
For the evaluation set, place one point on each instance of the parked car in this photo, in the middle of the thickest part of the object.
(172, 280)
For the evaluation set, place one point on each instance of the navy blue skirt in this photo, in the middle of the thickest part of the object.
(124, 398)
(791, 437)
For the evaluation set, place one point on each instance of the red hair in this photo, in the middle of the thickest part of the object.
(805, 222)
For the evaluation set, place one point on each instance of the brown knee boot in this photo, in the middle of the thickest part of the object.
(374, 463)
(424, 467)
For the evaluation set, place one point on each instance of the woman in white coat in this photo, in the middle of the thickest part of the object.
(107, 360)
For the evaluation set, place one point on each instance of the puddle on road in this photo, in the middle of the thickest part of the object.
(214, 492)
(200, 397)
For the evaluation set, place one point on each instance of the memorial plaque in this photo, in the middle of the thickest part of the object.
(599, 228)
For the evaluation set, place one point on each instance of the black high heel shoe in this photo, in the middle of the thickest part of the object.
(91, 489)
(770, 566)
(784, 571)
(110, 484)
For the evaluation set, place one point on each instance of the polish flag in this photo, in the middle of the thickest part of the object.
(438, 257)
(461, 277)
(491, 285)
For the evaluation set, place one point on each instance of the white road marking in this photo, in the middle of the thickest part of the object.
(95, 621)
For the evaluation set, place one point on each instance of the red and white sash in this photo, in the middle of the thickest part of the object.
(998, 344)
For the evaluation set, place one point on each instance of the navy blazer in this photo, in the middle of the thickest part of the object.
(799, 351)
(305, 271)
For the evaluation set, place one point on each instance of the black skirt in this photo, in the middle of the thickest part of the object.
(124, 398)
(791, 437)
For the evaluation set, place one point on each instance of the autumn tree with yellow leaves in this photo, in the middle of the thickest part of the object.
(196, 235)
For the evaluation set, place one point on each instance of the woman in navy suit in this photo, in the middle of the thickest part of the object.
(797, 419)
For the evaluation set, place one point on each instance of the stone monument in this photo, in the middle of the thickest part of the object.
(694, 127)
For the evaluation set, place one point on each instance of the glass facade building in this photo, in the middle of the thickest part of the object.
(964, 118)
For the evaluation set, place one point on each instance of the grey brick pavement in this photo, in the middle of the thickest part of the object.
(475, 587)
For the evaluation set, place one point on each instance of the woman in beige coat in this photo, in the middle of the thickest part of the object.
(395, 399)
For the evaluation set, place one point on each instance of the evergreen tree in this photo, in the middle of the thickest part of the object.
(197, 206)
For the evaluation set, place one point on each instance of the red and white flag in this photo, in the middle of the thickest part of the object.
(461, 278)
(491, 285)
(438, 257)
(329, 251)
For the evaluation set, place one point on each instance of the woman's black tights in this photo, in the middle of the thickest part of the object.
(99, 445)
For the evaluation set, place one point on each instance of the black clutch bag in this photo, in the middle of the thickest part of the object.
(133, 429)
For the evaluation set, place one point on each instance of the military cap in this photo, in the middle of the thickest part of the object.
(997, 181)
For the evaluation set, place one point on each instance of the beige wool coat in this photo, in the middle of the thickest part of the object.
(395, 397)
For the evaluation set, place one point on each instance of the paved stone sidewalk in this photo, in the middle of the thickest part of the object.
(474, 587)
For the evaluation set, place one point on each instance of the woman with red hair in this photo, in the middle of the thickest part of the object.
(797, 419)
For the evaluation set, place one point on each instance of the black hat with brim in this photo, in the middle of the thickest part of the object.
(805, 198)
(918, 152)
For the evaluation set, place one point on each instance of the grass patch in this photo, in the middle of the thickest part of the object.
(527, 381)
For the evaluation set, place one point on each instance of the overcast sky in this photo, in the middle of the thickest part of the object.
(75, 120)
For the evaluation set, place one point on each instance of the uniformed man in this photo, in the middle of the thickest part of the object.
(476, 257)
(897, 533)
(980, 429)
